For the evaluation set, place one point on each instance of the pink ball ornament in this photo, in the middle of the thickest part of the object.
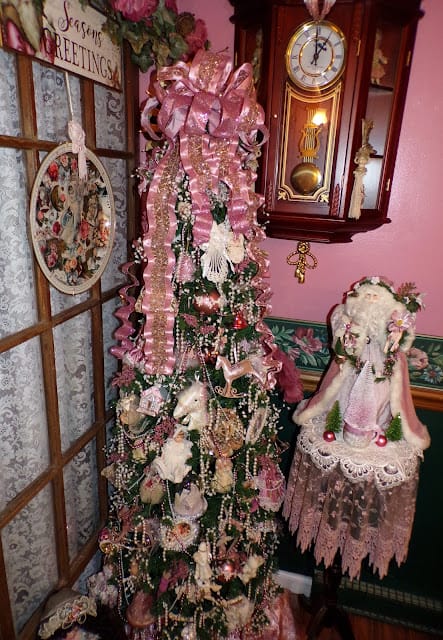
(381, 440)
(226, 571)
(329, 436)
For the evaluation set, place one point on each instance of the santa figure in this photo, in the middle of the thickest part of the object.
(373, 330)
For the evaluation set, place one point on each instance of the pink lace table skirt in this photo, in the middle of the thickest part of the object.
(357, 518)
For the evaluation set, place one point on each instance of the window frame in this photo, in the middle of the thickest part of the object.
(68, 571)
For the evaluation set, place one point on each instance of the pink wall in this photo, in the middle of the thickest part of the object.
(410, 248)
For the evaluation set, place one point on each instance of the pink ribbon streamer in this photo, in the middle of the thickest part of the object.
(211, 119)
(157, 299)
(77, 136)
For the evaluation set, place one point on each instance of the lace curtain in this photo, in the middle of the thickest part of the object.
(28, 539)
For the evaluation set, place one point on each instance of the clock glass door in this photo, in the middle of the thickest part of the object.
(307, 141)
(384, 77)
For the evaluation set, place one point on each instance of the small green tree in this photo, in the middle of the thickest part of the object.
(394, 431)
(334, 420)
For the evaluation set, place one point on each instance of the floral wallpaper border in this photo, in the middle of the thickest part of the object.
(308, 343)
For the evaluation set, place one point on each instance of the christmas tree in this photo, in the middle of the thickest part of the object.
(189, 549)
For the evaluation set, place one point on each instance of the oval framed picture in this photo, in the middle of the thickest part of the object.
(72, 221)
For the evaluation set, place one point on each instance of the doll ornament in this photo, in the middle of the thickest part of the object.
(367, 383)
(172, 463)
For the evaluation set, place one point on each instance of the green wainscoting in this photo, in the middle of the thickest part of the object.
(309, 345)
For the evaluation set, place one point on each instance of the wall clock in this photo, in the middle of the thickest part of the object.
(315, 56)
(333, 91)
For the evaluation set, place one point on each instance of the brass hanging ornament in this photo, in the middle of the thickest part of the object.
(305, 260)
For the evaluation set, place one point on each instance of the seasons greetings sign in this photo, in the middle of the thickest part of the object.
(65, 34)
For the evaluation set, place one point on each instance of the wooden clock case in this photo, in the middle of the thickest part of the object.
(372, 27)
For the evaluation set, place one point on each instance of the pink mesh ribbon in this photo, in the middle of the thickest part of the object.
(77, 136)
(211, 119)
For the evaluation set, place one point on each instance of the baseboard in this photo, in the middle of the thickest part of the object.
(294, 582)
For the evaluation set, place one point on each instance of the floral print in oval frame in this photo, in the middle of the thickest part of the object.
(72, 221)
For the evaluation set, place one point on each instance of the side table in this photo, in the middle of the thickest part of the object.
(351, 504)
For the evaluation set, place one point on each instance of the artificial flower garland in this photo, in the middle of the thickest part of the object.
(158, 34)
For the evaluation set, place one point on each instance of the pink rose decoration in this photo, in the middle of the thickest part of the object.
(196, 39)
(53, 171)
(135, 10)
(84, 229)
(51, 260)
(418, 359)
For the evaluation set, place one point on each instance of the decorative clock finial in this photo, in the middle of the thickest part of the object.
(312, 7)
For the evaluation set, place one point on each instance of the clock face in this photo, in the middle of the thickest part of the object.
(315, 56)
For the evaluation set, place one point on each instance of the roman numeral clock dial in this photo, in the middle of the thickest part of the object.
(315, 57)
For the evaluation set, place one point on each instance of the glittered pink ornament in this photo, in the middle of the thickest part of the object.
(227, 571)
(329, 436)
(381, 440)
(185, 268)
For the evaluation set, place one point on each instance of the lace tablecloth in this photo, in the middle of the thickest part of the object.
(358, 502)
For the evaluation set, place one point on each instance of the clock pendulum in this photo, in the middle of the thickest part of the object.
(306, 177)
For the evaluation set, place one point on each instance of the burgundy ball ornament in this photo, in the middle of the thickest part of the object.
(210, 356)
(207, 303)
(329, 436)
(227, 571)
(381, 440)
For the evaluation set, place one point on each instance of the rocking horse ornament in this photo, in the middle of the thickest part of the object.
(253, 366)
